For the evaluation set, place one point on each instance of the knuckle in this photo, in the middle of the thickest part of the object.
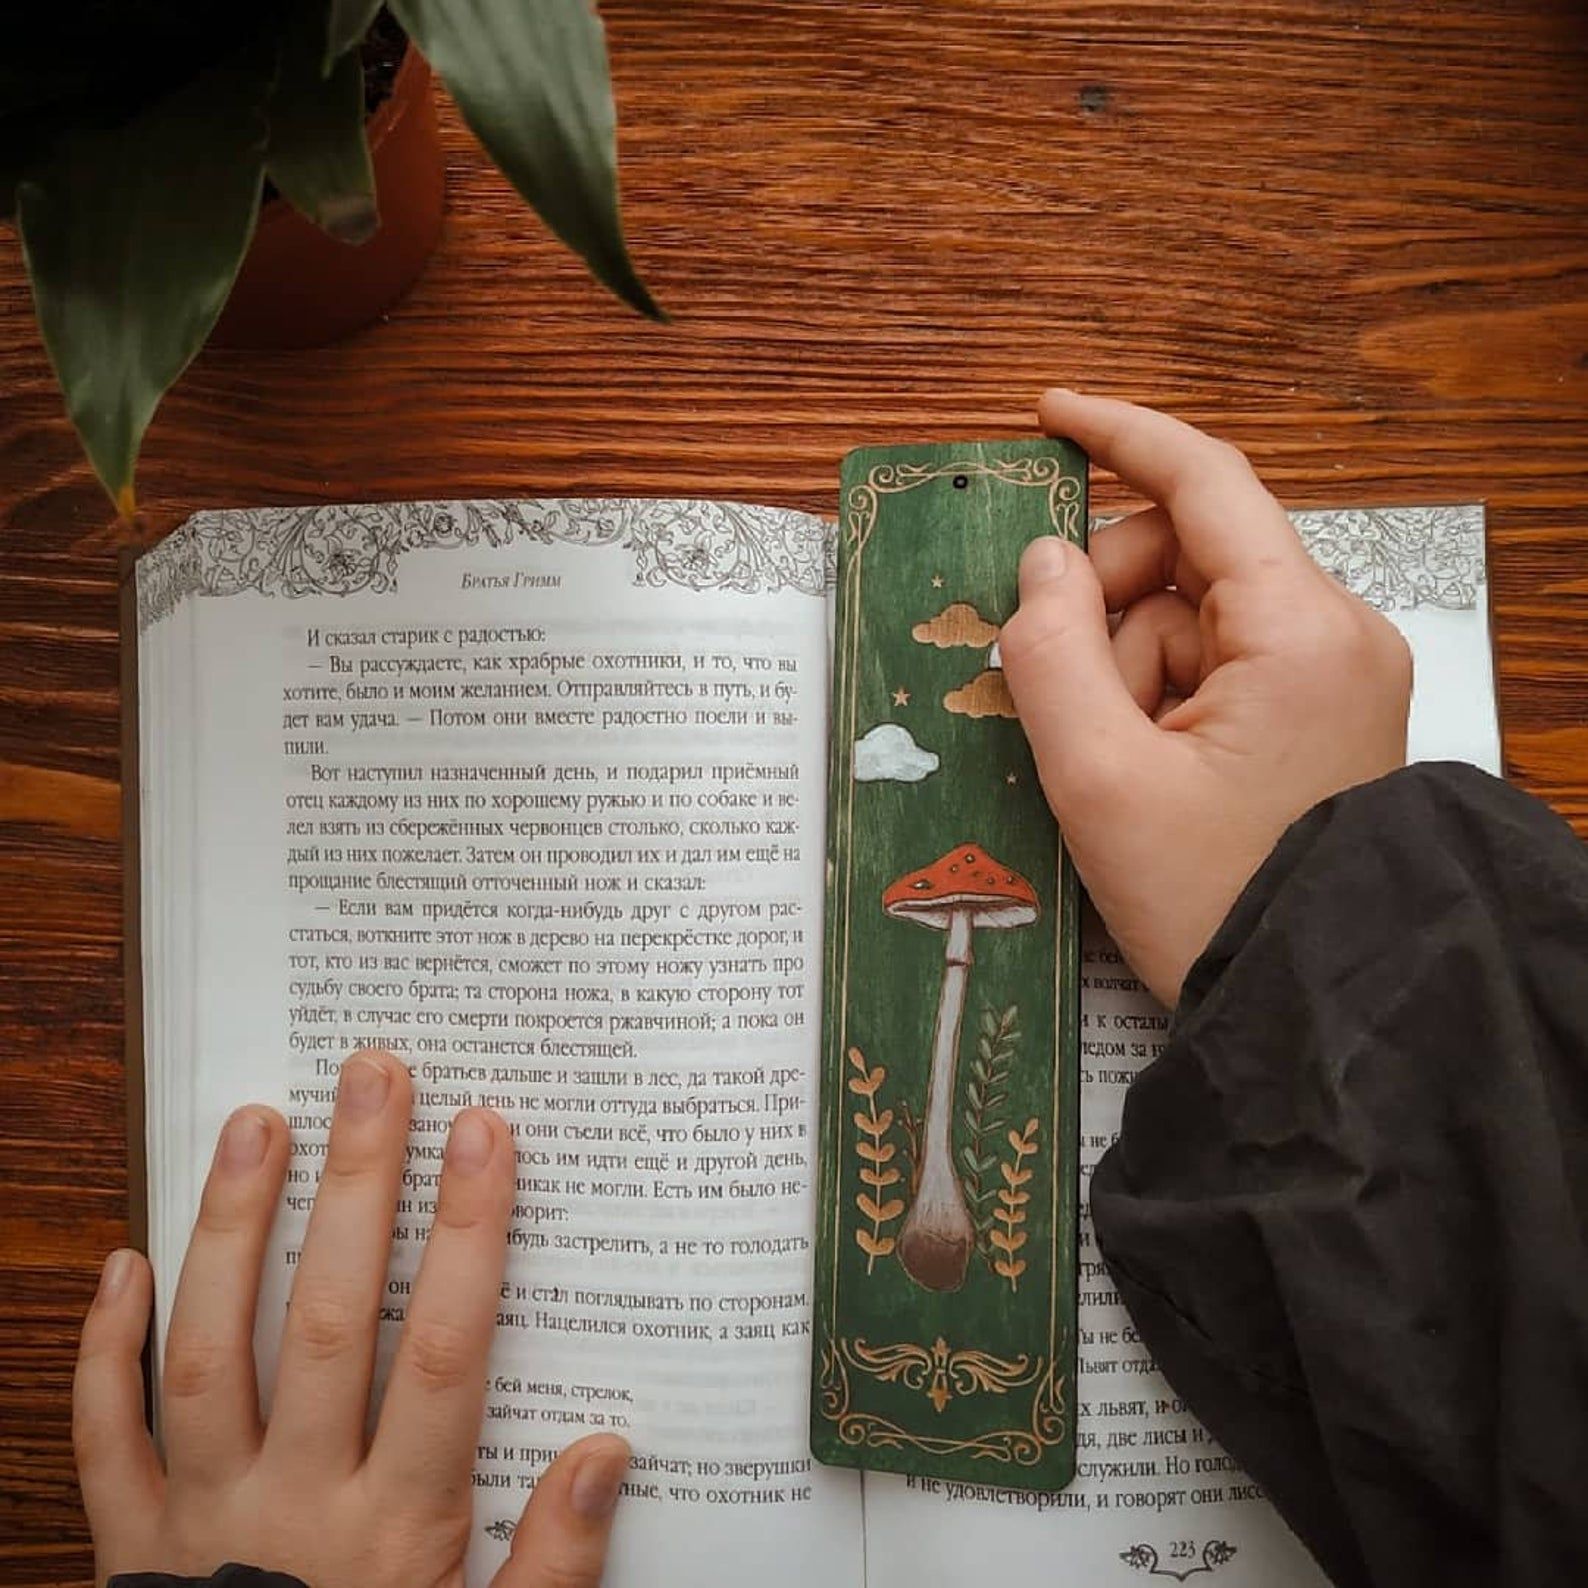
(1201, 474)
(1373, 642)
(1161, 609)
(1231, 455)
(452, 1523)
(1209, 469)
(439, 1355)
(459, 1220)
(566, 1568)
(451, 1530)
(193, 1363)
(323, 1325)
(89, 1432)
(1352, 638)
(97, 1345)
(1012, 636)
(348, 1163)
(1033, 633)
(461, 1214)
(1320, 636)
(1323, 624)
(1396, 652)
(438, 1526)
(403, 1542)
(224, 1211)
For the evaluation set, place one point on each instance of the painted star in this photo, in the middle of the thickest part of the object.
(937, 581)
(901, 697)
(1010, 778)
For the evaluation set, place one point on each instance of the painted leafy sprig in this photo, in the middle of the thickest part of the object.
(1010, 1213)
(983, 1115)
(877, 1202)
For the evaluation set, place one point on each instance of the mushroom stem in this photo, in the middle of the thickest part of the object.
(938, 1236)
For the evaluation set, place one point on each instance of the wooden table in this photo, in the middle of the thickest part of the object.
(1352, 237)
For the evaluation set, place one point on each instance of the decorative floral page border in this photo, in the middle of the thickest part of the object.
(1394, 558)
(348, 550)
(1399, 558)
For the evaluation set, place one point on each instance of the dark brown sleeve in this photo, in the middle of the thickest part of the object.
(231, 1575)
(1348, 1208)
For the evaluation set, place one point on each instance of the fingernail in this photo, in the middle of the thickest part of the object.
(1045, 560)
(596, 1483)
(114, 1275)
(470, 1146)
(244, 1140)
(365, 1087)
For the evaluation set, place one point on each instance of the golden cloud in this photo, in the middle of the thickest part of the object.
(958, 624)
(986, 695)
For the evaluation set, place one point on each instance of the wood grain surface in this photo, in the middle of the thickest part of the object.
(1350, 236)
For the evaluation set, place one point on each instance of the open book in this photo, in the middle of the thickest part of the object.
(533, 793)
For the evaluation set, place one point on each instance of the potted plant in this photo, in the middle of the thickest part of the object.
(138, 137)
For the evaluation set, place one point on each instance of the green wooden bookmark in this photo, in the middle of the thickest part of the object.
(945, 1266)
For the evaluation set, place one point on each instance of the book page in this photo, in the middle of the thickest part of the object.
(1155, 1497)
(533, 794)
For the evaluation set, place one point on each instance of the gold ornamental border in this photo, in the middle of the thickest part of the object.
(1020, 1447)
(1049, 1424)
(1064, 490)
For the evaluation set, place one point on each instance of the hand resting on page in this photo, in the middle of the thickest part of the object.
(304, 1493)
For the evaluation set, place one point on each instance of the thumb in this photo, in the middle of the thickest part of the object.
(561, 1540)
(1084, 728)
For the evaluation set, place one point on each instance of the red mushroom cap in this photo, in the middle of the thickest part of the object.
(966, 878)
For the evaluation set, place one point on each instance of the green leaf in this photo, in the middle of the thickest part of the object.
(25, 137)
(132, 244)
(530, 77)
(318, 154)
(346, 24)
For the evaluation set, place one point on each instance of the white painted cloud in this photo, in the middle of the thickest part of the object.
(889, 754)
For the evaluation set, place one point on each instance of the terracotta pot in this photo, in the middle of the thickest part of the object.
(300, 288)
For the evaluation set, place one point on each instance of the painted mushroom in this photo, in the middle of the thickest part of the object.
(964, 891)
